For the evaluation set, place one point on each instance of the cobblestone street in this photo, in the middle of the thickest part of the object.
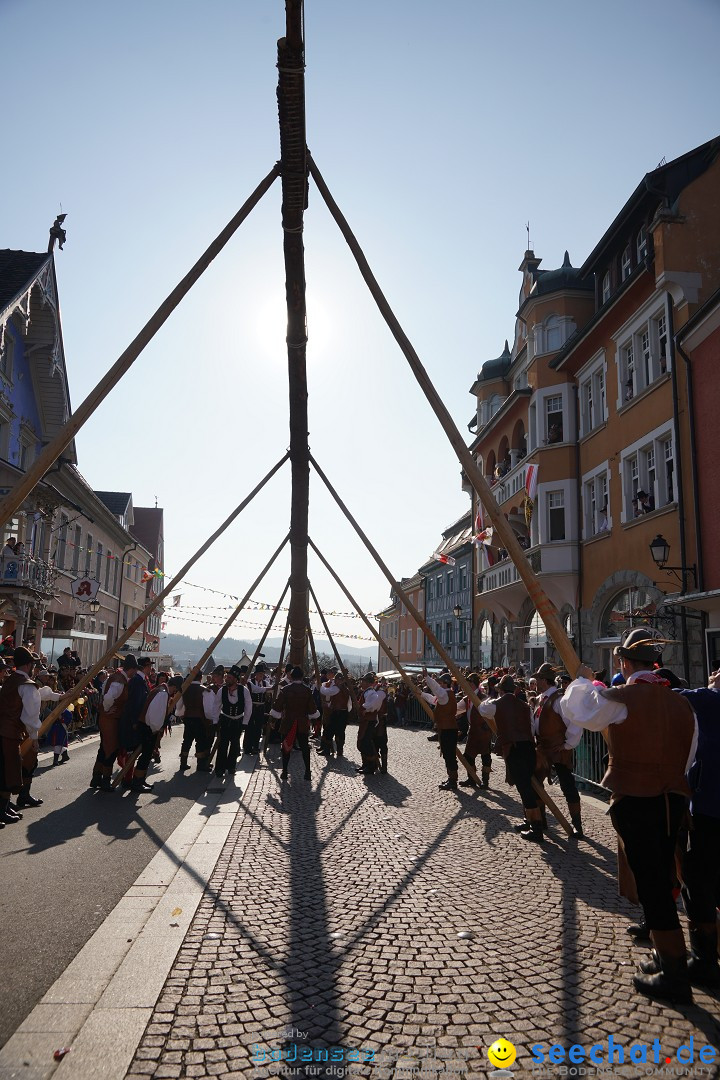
(333, 920)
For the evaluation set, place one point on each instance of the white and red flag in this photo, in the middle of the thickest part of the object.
(531, 486)
(447, 559)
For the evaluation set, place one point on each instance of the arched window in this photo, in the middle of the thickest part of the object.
(631, 607)
(535, 642)
(486, 644)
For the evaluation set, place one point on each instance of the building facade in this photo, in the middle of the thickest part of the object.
(448, 595)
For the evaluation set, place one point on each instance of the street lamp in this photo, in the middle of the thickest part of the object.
(94, 607)
(457, 611)
(660, 551)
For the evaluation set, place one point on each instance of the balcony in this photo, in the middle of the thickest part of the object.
(27, 573)
(510, 484)
(501, 590)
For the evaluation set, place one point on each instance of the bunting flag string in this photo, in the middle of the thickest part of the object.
(255, 626)
(253, 605)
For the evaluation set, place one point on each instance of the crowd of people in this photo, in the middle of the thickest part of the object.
(663, 761)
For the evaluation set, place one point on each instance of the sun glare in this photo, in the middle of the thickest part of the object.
(271, 328)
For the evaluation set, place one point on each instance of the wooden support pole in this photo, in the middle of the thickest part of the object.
(311, 639)
(420, 621)
(544, 607)
(391, 657)
(276, 684)
(55, 447)
(127, 634)
(257, 652)
(211, 647)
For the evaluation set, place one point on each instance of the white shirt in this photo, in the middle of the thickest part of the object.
(331, 691)
(211, 705)
(32, 699)
(372, 700)
(113, 692)
(439, 693)
(157, 711)
(585, 705)
(573, 733)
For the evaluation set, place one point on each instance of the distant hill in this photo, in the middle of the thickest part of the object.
(186, 650)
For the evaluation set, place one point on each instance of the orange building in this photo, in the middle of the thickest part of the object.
(591, 394)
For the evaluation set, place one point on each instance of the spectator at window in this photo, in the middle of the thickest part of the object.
(555, 433)
(629, 390)
(603, 519)
(644, 503)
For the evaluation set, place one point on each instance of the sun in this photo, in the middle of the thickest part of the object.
(271, 327)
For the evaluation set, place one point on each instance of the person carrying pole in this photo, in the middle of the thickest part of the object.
(369, 703)
(440, 693)
(150, 723)
(479, 739)
(132, 732)
(556, 740)
(112, 703)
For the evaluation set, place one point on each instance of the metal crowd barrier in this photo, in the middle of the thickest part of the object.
(589, 764)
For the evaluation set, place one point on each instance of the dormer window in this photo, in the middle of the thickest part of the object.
(606, 287)
(625, 264)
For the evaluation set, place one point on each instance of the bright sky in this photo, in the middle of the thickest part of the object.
(440, 130)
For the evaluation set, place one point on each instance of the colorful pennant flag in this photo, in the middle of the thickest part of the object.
(447, 559)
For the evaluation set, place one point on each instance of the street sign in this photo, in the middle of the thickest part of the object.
(84, 588)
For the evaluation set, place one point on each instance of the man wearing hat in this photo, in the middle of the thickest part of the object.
(20, 704)
(112, 703)
(556, 741)
(295, 707)
(259, 686)
(444, 719)
(369, 702)
(235, 711)
(652, 738)
(195, 707)
(336, 701)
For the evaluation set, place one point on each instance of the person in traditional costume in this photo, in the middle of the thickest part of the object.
(652, 737)
(336, 704)
(113, 697)
(556, 740)
(295, 708)
(369, 703)
(513, 720)
(259, 686)
(440, 694)
(20, 704)
(196, 707)
(479, 740)
(235, 711)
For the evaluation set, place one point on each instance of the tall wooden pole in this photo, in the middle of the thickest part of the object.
(544, 607)
(55, 447)
(334, 648)
(291, 114)
(267, 629)
(78, 688)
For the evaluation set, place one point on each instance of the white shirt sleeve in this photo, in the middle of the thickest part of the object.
(47, 694)
(428, 697)
(439, 691)
(487, 708)
(112, 693)
(31, 701)
(179, 708)
(373, 700)
(584, 706)
(248, 705)
(462, 706)
(157, 711)
(211, 706)
(329, 691)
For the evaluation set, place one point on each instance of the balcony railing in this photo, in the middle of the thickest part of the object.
(26, 573)
(505, 572)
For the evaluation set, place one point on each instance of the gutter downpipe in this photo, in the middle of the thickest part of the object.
(679, 484)
(696, 494)
(578, 484)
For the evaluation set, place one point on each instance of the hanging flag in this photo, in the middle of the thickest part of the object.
(531, 486)
(176, 600)
(447, 559)
(146, 576)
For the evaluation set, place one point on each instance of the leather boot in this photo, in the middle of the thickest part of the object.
(534, 830)
(485, 778)
(672, 981)
(183, 763)
(139, 784)
(285, 763)
(576, 819)
(65, 756)
(703, 964)
(25, 799)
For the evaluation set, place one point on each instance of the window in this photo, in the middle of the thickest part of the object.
(402, 641)
(661, 336)
(116, 575)
(99, 563)
(595, 503)
(418, 647)
(629, 371)
(7, 353)
(449, 633)
(430, 588)
(625, 264)
(463, 578)
(439, 585)
(450, 584)
(648, 469)
(556, 515)
(606, 287)
(126, 613)
(462, 632)
(76, 549)
(593, 400)
(23, 456)
(88, 554)
(108, 565)
(421, 600)
(554, 418)
(486, 645)
(643, 354)
(641, 246)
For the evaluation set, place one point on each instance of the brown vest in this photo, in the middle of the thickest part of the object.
(339, 701)
(296, 703)
(552, 733)
(119, 703)
(193, 701)
(11, 706)
(513, 719)
(649, 750)
(444, 715)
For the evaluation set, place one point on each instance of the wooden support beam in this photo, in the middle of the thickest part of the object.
(343, 669)
(392, 658)
(55, 447)
(155, 602)
(544, 607)
(434, 641)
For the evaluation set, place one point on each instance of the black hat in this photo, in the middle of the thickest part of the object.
(23, 656)
(638, 645)
(129, 662)
(219, 669)
(676, 683)
(507, 684)
(546, 672)
(237, 672)
(261, 667)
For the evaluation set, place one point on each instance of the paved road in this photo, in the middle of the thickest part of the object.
(335, 909)
(66, 864)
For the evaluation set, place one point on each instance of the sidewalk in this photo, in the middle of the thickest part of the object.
(332, 919)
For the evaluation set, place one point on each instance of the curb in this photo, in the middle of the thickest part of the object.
(102, 1002)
